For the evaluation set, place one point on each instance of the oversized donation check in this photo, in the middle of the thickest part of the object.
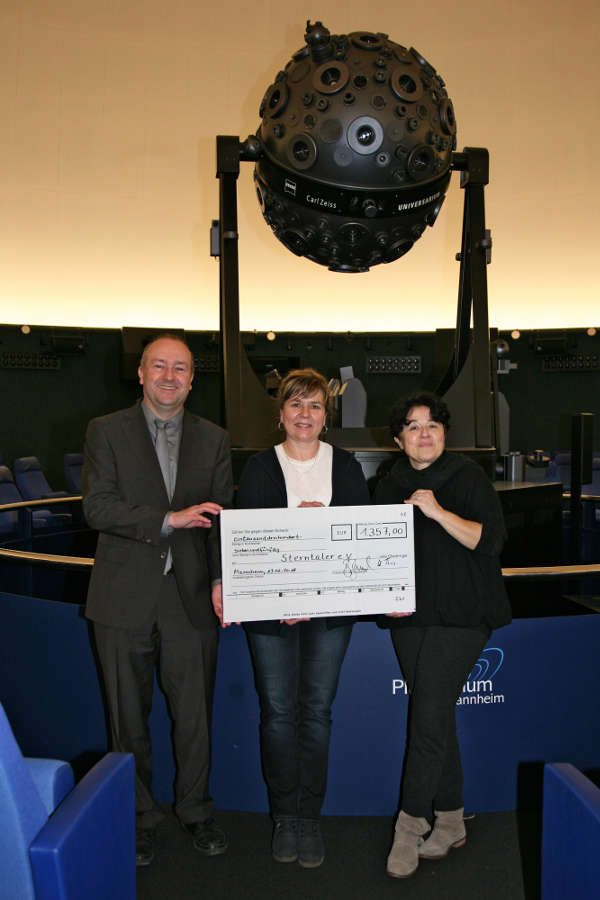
(317, 561)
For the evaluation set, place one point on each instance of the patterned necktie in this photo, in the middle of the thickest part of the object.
(162, 452)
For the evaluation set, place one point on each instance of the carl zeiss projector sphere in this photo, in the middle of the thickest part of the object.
(357, 135)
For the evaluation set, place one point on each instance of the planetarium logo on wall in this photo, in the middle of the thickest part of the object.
(479, 686)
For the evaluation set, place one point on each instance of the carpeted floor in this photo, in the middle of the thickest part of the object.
(499, 862)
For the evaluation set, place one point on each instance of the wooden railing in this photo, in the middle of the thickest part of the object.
(30, 556)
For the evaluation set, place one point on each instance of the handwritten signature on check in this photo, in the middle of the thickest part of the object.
(356, 566)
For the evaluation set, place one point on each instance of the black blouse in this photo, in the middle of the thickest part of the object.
(454, 585)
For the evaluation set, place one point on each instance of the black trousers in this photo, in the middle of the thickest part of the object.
(186, 662)
(435, 661)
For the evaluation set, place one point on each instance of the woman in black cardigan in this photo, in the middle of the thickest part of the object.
(297, 662)
(460, 598)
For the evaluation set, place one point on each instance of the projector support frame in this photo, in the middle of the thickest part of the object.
(249, 412)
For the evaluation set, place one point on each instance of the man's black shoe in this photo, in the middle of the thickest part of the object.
(208, 838)
(144, 846)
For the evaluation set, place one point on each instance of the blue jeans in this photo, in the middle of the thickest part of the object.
(296, 674)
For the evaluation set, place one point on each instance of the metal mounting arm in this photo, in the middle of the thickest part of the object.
(249, 412)
(468, 381)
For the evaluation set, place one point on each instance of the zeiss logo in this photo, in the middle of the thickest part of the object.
(289, 187)
(479, 686)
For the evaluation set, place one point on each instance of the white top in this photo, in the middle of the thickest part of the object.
(307, 480)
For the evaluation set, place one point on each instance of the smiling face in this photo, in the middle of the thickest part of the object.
(303, 417)
(166, 374)
(422, 439)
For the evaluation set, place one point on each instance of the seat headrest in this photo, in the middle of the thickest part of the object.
(6, 475)
(27, 464)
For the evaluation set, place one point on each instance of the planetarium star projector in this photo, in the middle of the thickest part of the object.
(357, 135)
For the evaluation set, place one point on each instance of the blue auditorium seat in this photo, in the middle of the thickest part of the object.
(9, 520)
(61, 842)
(73, 464)
(31, 481)
(570, 835)
(32, 485)
(559, 469)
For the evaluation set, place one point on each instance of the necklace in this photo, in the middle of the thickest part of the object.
(302, 465)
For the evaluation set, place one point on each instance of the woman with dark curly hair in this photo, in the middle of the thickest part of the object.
(460, 598)
(297, 662)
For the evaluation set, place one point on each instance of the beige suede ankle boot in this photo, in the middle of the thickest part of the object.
(404, 855)
(448, 832)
